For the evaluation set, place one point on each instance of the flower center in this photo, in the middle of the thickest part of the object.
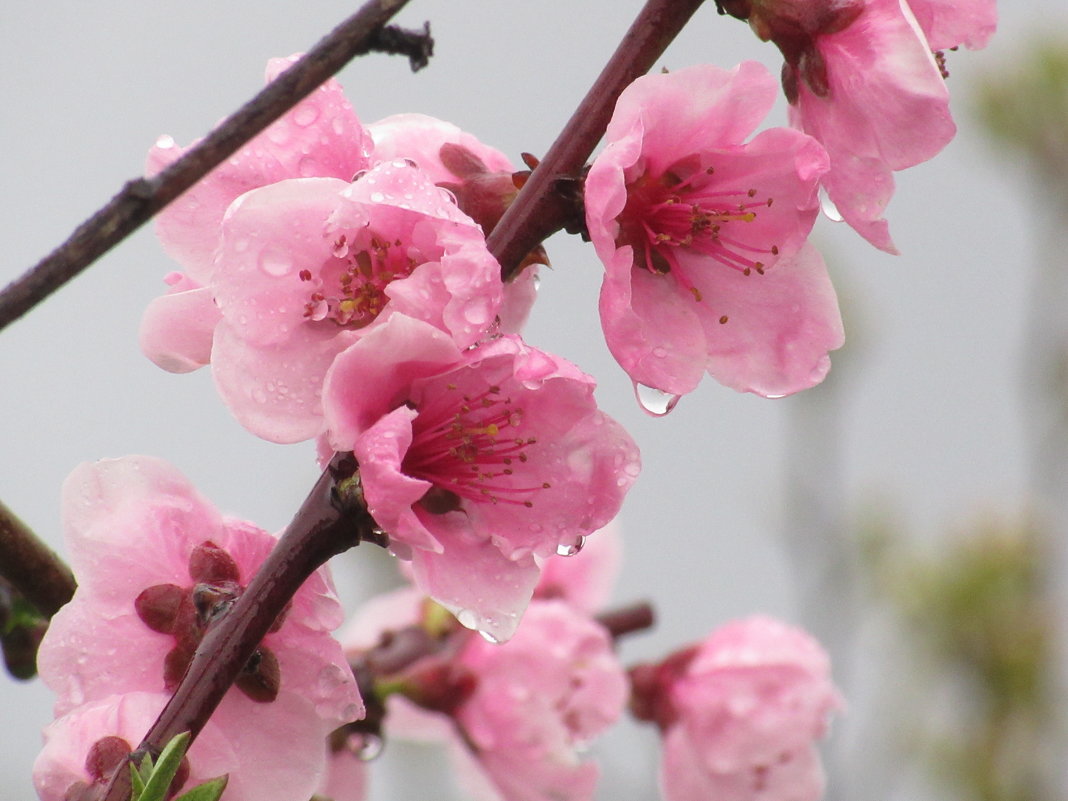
(686, 209)
(186, 613)
(358, 277)
(470, 447)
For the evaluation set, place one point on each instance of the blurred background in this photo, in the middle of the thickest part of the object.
(911, 511)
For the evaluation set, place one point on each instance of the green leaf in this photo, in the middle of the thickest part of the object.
(166, 766)
(136, 782)
(211, 790)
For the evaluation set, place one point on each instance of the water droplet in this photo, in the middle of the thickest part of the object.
(377, 197)
(338, 126)
(366, 745)
(241, 245)
(165, 142)
(278, 133)
(308, 167)
(775, 397)
(655, 401)
(537, 282)
(467, 618)
(275, 262)
(570, 549)
(489, 638)
(830, 210)
(305, 114)
(259, 395)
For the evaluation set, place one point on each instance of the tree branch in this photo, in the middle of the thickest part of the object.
(141, 198)
(31, 567)
(542, 206)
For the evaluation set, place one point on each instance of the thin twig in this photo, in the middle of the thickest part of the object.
(142, 198)
(543, 206)
(31, 567)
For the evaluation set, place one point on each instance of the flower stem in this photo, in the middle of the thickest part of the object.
(331, 520)
(545, 204)
(141, 198)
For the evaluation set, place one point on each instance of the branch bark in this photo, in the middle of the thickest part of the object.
(141, 198)
(543, 205)
(31, 567)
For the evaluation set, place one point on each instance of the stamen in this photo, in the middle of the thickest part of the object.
(359, 294)
(466, 447)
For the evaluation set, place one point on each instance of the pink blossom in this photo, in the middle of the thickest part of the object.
(739, 714)
(155, 564)
(701, 235)
(949, 23)
(319, 137)
(82, 747)
(479, 176)
(475, 462)
(306, 267)
(861, 78)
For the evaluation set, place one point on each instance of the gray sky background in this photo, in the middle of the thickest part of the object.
(932, 423)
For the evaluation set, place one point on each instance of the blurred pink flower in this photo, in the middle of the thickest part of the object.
(538, 701)
(702, 236)
(739, 714)
(155, 564)
(475, 462)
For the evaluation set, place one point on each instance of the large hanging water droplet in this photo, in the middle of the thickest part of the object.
(571, 548)
(830, 211)
(467, 618)
(489, 638)
(655, 401)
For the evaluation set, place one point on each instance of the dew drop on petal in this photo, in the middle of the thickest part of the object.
(165, 142)
(305, 114)
(572, 548)
(655, 401)
(489, 638)
(275, 262)
(659, 352)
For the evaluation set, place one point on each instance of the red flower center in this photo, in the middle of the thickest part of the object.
(685, 208)
(359, 278)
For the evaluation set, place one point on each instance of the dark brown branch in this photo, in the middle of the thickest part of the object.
(31, 567)
(331, 520)
(542, 207)
(141, 198)
(628, 620)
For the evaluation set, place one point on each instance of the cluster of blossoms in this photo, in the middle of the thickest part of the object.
(336, 278)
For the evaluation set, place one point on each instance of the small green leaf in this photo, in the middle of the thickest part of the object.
(136, 782)
(146, 768)
(166, 766)
(211, 790)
